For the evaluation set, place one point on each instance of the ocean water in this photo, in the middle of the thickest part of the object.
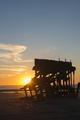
(3, 87)
(10, 89)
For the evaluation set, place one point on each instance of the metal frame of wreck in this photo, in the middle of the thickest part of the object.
(52, 78)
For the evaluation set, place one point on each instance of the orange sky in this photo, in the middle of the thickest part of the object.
(15, 79)
(19, 78)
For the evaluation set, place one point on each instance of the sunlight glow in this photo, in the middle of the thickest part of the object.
(26, 80)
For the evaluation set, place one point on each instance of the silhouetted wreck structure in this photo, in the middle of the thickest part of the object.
(52, 78)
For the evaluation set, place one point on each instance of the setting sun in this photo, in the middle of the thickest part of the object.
(26, 80)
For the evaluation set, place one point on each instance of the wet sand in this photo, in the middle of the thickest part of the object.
(14, 106)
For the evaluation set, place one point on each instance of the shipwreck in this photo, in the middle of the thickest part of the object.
(52, 78)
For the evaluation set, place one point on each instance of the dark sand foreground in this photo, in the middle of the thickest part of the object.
(14, 106)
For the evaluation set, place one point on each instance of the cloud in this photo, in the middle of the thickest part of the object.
(12, 59)
(13, 68)
(12, 52)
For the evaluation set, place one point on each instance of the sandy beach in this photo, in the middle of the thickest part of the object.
(14, 106)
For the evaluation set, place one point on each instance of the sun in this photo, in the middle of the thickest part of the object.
(26, 80)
